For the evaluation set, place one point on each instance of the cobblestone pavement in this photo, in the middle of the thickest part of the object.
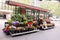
(52, 34)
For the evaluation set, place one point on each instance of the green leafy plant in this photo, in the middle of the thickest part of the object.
(29, 17)
(17, 17)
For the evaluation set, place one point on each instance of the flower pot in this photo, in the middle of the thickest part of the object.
(6, 31)
(12, 30)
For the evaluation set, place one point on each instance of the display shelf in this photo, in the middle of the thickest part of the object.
(15, 34)
(42, 28)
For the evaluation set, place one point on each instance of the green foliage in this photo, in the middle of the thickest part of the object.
(53, 6)
(29, 17)
(17, 17)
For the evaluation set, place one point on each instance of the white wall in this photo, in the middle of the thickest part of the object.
(2, 1)
(0, 5)
(35, 3)
(8, 16)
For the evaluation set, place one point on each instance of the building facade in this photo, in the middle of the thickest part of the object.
(4, 7)
(38, 3)
(5, 10)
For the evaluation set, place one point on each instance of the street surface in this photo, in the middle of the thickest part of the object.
(52, 34)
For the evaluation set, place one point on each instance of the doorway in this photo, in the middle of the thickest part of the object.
(2, 16)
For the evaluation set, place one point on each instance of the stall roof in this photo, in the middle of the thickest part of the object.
(26, 6)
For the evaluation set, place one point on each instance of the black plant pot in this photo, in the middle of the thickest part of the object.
(6, 23)
(13, 31)
(29, 29)
(17, 31)
(7, 33)
(22, 31)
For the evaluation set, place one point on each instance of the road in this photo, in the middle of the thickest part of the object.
(52, 34)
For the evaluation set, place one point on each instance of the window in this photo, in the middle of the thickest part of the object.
(20, 10)
(16, 10)
(3, 16)
(28, 11)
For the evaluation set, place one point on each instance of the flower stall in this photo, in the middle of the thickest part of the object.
(27, 19)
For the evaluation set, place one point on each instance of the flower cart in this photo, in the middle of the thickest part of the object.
(16, 26)
(27, 19)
